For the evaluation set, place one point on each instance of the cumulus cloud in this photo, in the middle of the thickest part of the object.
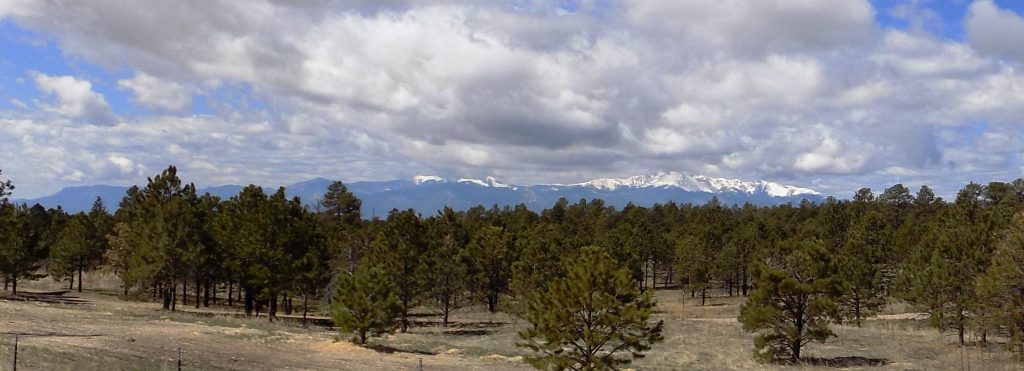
(812, 92)
(74, 99)
(994, 30)
(157, 93)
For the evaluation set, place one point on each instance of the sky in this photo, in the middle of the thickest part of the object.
(831, 95)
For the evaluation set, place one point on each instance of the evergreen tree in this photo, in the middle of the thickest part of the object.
(593, 318)
(68, 254)
(116, 257)
(6, 187)
(346, 234)
(1001, 287)
(863, 267)
(398, 252)
(365, 302)
(489, 256)
(793, 300)
(246, 229)
(447, 266)
(340, 204)
(23, 242)
(940, 277)
(160, 233)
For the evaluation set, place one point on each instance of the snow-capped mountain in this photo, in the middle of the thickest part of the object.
(429, 193)
(699, 183)
(487, 182)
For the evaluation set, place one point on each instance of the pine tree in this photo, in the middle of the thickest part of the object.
(340, 204)
(6, 187)
(941, 275)
(67, 255)
(490, 259)
(793, 300)
(863, 267)
(1001, 287)
(593, 318)
(161, 233)
(23, 242)
(398, 252)
(116, 257)
(447, 263)
(365, 302)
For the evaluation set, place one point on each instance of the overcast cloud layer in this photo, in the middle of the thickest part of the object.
(814, 93)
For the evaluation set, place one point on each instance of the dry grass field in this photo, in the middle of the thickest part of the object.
(96, 330)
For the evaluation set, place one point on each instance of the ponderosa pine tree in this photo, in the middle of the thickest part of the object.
(365, 302)
(6, 187)
(98, 225)
(940, 277)
(245, 229)
(117, 255)
(160, 230)
(448, 270)
(594, 318)
(863, 266)
(69, 252)
(489, 254)
(1001, 287)
(793, 301)
(398, 251)
(24, 242)
(345, 231)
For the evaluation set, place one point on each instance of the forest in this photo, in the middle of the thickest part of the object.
(581, 273)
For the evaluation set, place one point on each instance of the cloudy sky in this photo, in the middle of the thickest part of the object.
(826, 94)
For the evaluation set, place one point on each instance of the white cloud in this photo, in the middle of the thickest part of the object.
(74, 98)
(811, 91)
(994, 30)
(157, 93)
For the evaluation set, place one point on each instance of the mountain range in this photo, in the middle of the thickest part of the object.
(428, 194)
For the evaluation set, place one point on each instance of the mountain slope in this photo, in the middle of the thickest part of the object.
(428, 194)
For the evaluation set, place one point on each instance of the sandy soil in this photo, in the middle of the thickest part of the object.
(98, 331)
(141, 332)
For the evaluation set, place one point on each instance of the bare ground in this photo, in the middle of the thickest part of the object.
(98, 331)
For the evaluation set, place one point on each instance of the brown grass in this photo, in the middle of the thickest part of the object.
(105, 332)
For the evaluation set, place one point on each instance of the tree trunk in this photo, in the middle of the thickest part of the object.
(166, 298)
(14, 284)
(272, 311)
(184, 290)
(206, 294)
(230, 292)
(196, 280)
(248, 302)
(703, 296)
(362, 336)
(654, 275)
(744, 285)
(668, 277)
(214, 294)
(305, 309)
(447, 309)
(81, 263)
(71, 280)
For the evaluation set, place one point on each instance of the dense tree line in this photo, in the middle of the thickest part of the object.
(804, 266)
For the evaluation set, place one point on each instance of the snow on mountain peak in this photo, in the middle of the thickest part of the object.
(671, 179)
(699, 183)
(487, 182)
(420, 179)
